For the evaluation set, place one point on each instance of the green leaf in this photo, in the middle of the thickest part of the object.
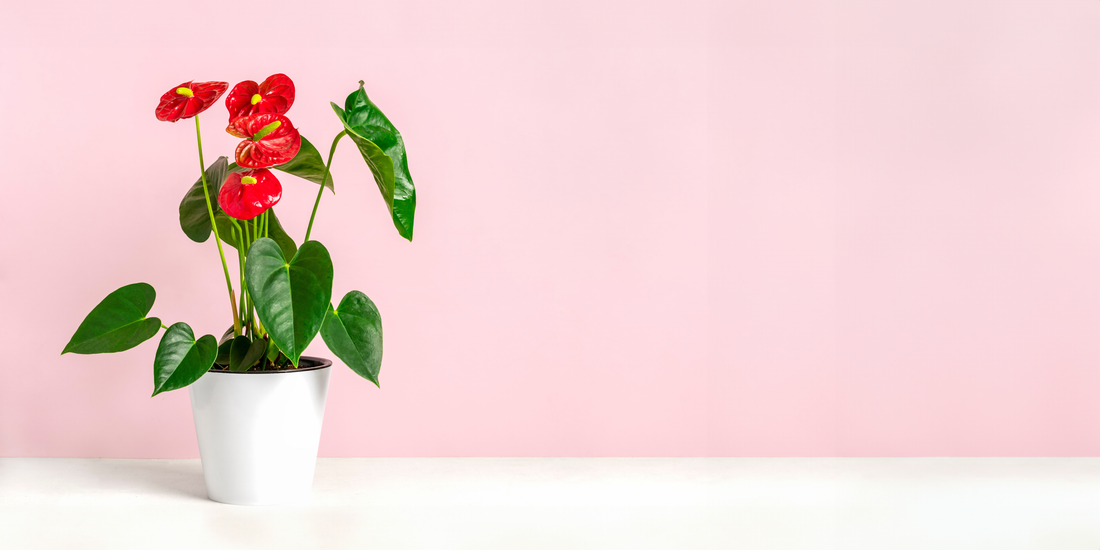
(275, 231)
(383, 149)
(245, 353)
(307, 164)
(118, 323)
(291, 297)
(237, 351)
(353, 332)
(272, 351)
(255, 352)
(181, 359)
(224, 348)
(225, 345)
(194, 218)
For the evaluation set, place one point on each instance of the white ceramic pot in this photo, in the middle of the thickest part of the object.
(258, 432)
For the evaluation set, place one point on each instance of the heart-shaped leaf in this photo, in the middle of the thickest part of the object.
(275, 231)
(181, 359)
(291, 297)
(353, 332)
(118, 323)
(308, 165)
(383, 149)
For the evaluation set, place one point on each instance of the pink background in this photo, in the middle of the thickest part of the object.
(644, 228)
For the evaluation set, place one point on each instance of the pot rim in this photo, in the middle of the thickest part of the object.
(321, 363)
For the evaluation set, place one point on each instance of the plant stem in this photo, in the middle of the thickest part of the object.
(247, 313)
(214, 226)
(331, 151)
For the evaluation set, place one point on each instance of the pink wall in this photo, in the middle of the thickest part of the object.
(644, 228)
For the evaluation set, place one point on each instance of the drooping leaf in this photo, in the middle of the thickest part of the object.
(118, 323)
(307, 164)
(291, 297)
(383, 149)
(353, 332)
(275, 231)
(194, 218)
(181, 359)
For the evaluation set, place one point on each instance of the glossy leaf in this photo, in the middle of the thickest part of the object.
(117, 323)
(181, 359)
(194, 219)
(353, 332)
(275, 231)
(291, 297)
(383, 149)
(307, 164)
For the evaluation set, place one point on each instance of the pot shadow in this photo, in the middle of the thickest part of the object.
(168, 477)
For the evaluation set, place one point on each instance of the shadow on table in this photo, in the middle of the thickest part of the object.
(178, 478)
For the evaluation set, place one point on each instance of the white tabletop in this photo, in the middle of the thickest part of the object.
(567, 503)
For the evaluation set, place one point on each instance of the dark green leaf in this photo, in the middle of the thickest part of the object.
(307, 164)
(383, 149)
(194, 218)
(180, 359)
(255, 352)
(353, 332)
(246, 353)
(237, 352)
(291, 297)
(275, 231)
(224, 348)
(118, 323)
(225, 345)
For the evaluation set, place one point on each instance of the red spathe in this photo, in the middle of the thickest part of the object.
(245, 201)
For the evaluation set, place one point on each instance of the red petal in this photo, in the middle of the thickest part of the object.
(174, 106)
(239, 99)
(245, 202)
(278, 91)
(275, 148)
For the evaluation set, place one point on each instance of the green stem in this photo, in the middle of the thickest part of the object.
(163, 327)
(324, 178)
(247, 313)
(214, 226)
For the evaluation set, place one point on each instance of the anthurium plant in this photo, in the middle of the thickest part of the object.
(285, 287)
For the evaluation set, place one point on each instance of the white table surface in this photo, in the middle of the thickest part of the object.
(568, 503)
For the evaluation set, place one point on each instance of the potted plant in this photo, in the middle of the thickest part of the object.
(257, 402)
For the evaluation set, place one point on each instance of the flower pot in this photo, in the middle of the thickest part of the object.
(258, 432)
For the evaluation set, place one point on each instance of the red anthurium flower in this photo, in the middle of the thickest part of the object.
(247, 195)
(269, 140)
(275, 95)
(189, 99)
